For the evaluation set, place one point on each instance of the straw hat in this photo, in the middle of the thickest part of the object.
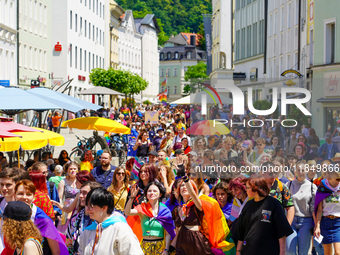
(336, 157)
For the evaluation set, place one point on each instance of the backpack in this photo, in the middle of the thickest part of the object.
(51, 188)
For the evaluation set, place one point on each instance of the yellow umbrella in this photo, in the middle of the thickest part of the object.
(31, 140)
(97, 123)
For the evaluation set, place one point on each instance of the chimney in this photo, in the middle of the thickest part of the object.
(193, 40)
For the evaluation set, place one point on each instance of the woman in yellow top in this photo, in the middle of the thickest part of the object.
(119, 188)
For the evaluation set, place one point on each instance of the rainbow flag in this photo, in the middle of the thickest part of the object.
(165, 81)
(163, 97)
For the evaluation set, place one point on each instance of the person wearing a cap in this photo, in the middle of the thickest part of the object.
(328, 149)
(18, 229)
(153, 156)
(158, 139)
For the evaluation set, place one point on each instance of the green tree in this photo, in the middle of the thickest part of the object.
(265, 105)
(195, 74)
(202, 40)
(198, 71)
(119, 80)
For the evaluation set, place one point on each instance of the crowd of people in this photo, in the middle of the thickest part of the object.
(253, 190)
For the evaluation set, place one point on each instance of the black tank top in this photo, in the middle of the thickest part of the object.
(142, 151)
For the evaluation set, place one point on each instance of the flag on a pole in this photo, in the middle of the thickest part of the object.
(164, 82)
(163, 97)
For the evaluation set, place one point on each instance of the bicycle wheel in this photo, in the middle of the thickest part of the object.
(76, 154)
(121, 156)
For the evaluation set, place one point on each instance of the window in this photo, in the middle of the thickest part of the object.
(288, 62)
(100, 10)
(100, 62)
(93, 6)
(93, 58)
(270, 24)
(97, 7)
(85, 2)
(237, 44)
(89, 60)
(75, 56)
(248, 41)
(189, 55)
(330, 43)
(90, 4)
(85, 60)
(255, 39)
(100, 36)
(70, 19)
(97, 34)
(169, 55)
(162, 72)
(85, 25)
(168, 92)
(296, 12)
(288, 15)
(175, 89)
(103, 11)
(282, 18)
(243, 39)
(96, 61)
(76, 22)
(237, 7)
(81, 25)
(93, 32)
(275, 25)
(176, 55)
(281, 65)
(162, 56)
(89, 30)
(168, 72)
(80, 59)
(71, 55)
(175, 72)
(103, 39)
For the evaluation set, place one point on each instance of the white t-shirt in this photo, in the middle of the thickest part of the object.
(331, 204)
(177, 139)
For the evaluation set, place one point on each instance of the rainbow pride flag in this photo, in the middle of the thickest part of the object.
(163, 97)
(164, 82)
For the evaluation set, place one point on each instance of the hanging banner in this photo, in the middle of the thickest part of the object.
(208, 41)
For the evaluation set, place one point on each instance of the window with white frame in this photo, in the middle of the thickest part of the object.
(282, 18)
(70, 19)
(175, 71)
(168, 72)
(75, 57)
(76, 22)
(288, 15)
(162, 72)
(175, 89)
(189, 55)
(330, 42)
(80, 58)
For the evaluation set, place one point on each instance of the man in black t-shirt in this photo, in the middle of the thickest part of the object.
(260, 226)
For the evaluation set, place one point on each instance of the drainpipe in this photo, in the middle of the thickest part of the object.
(265, 36)
(299, 37)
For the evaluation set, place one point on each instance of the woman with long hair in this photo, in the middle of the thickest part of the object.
(303, 193)
(20, 232)
(193, 236)
(309, 152)
(224, 197)
(301, 153)
(166, 177)
(119, 188)
(265, 214)
(41, 196)
(63, 158)
(147, 173)
(80, 220)
(172, 202)
(200, 143)
(24, 191)
(68, 190)
(143, 144)
(157, 225)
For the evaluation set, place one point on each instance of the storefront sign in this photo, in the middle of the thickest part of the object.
(331, 85)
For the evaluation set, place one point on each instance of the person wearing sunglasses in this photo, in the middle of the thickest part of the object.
(119, 188)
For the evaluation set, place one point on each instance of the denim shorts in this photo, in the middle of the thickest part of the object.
(330, 230)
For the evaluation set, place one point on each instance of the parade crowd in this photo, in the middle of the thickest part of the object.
(278, 193)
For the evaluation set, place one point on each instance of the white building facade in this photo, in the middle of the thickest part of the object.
(149, 29)
(8, 42)
(35, 34)
(130, 47)
(80, 27)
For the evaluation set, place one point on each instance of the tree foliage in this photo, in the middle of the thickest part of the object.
(198, 71)
(119, 80)
(175, 15)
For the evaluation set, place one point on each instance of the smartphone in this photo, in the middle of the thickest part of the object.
(245, 144)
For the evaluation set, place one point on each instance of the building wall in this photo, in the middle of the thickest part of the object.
(35, 39)
(83, 41)
(115, 13)
(150, 62)
(130, 48)
(8, 41)
(173, 80)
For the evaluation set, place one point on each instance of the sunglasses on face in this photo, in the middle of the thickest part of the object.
(122, 174)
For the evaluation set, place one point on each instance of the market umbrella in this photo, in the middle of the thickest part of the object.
(97, 123)
(31, 140)
(16, 127)
(208, 127)
(5, 134)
